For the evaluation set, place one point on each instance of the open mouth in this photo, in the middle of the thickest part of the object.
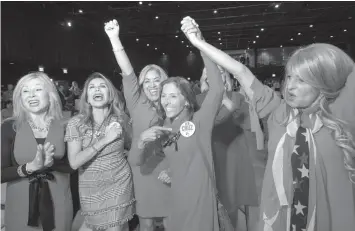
(153, 91)
(98, 97)
(33, 103)
(169, 109)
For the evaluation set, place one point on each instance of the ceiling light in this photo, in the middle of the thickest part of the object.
(150, 4)
(65, 70)
(273, 75)
(156, 17)
(219, 32)
(155, 48)
(277, 6)
(69, 24)
(215, 11)
(148, 45)
(257, 36)
(291, 39)
(311, 25)
(140, 3)
(163, 53)
(40, 68)
(254, 41)
(248, 48)
(219, 39)
(80, 11)
(176, 36)
(182, 41)
(188, 78)
(12, 63)
(262, 29)
(331, 36)
(220, 43)
(280, 45)
(345, 30)
(299, 33)
(137, 39)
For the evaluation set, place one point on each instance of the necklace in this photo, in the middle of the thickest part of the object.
(40, 129)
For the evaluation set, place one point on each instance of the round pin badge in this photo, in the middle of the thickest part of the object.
(187, 129)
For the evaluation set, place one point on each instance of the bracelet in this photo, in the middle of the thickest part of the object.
(21, 170)
(118, 49)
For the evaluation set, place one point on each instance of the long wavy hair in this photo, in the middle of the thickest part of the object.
(186, 90)
(116, 107)
(54, 111)
(163, 75)
(326, 68)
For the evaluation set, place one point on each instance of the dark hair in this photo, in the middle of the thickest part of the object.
(186, 90)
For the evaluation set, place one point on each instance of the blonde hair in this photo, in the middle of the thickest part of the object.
(116, 107)
(146, 69)
(54, 111)
(326, 68)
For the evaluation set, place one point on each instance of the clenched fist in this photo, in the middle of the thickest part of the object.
(112, 29)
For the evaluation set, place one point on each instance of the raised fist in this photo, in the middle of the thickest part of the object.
(113, 132)
(112, 29)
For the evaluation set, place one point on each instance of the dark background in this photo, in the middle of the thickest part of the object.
(37, 33)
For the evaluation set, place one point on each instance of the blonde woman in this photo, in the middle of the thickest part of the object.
(96, 147)
(142, 95)
(310, 174)
(33, 160)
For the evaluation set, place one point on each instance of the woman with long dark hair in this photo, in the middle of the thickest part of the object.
(96, 147)
(186, 139)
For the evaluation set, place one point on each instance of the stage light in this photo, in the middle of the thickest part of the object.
(156, 17)
(69, 24)
(41, 68)
(148, 45)
(65, 70)
(299, 34)
(215, 11)
(137, 39)
(80, 11)
(311, 26)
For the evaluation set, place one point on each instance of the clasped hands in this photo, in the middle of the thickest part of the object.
(189, 27)
(43, 159)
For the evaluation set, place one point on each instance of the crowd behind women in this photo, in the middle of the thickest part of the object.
(168, 149)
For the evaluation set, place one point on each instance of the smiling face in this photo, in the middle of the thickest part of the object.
(299, 94)
(151, 85)
(34, 97)
(172, 100)
(98, 93)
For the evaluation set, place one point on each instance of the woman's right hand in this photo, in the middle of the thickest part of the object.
(113, 132)
(152, 134)
(112, 29)
(38, 162)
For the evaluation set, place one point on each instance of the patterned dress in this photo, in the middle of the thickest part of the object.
(105, 182)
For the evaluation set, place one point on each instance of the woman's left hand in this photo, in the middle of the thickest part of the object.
(48, 151)
(164, 176)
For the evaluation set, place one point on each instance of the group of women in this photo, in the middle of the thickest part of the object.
(190, 155)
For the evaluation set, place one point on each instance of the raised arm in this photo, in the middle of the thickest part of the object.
(112, 30)
(129, 81)
(240, 71)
